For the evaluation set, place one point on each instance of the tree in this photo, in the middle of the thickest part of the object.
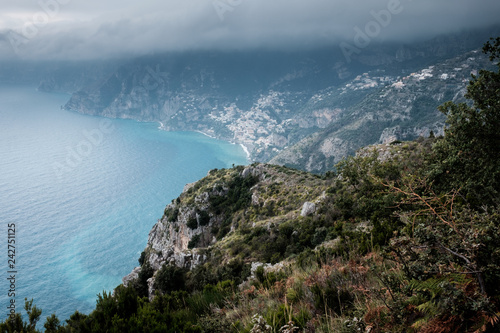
(170, 278)
(12, 324)
(52, 324)
(16, 323)
(449, 256)
(34, 314)
(449, 249)
(468, 156)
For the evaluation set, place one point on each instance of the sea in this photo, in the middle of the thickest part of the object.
(79, 195)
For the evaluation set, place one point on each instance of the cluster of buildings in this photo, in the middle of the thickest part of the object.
(254, 127)
(365, 81)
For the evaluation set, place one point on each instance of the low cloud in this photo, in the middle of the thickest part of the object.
(74, 29)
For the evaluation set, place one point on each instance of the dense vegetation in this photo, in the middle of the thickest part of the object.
(404, 238)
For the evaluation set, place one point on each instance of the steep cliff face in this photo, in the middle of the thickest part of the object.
(207, 219)
(234, 220)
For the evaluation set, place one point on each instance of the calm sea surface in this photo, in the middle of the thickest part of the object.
(83, 193)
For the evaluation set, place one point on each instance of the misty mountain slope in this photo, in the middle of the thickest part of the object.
(57, 76)
(270, 100)
(402, 109)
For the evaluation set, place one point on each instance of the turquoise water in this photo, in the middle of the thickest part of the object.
(83, 193)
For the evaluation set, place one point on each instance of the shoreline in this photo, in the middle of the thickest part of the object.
(245, 148)
(205, 134)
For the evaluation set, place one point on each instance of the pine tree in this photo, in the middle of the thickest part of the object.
(468, 157)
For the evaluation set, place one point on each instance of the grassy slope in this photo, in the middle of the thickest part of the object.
(364, 261)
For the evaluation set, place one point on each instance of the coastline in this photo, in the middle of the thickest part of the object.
(205, 134)
(245, 148)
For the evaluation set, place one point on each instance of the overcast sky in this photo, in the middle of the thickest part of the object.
(82, 29)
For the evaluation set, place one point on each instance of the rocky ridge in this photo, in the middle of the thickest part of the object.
(202, 223)
(242, 214)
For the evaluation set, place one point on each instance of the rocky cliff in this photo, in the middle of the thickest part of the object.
(229, 223)
(209, 218)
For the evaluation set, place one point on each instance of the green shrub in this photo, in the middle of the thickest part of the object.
(170, 278)
(268, 279)
(260, 274)
(192, 223)
(215, 324)
(237, 197)
(204, 218)
(281, 316)
(141, 284)
(235, 270)
(193, 242)
(202, 302)
(319, 236)
(171, 214)
(223, 230)
(338, 298)
(142, 258)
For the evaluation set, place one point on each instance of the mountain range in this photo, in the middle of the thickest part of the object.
(307, 109)
(397, 237)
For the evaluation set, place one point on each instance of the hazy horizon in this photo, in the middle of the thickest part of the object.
(71, 30)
